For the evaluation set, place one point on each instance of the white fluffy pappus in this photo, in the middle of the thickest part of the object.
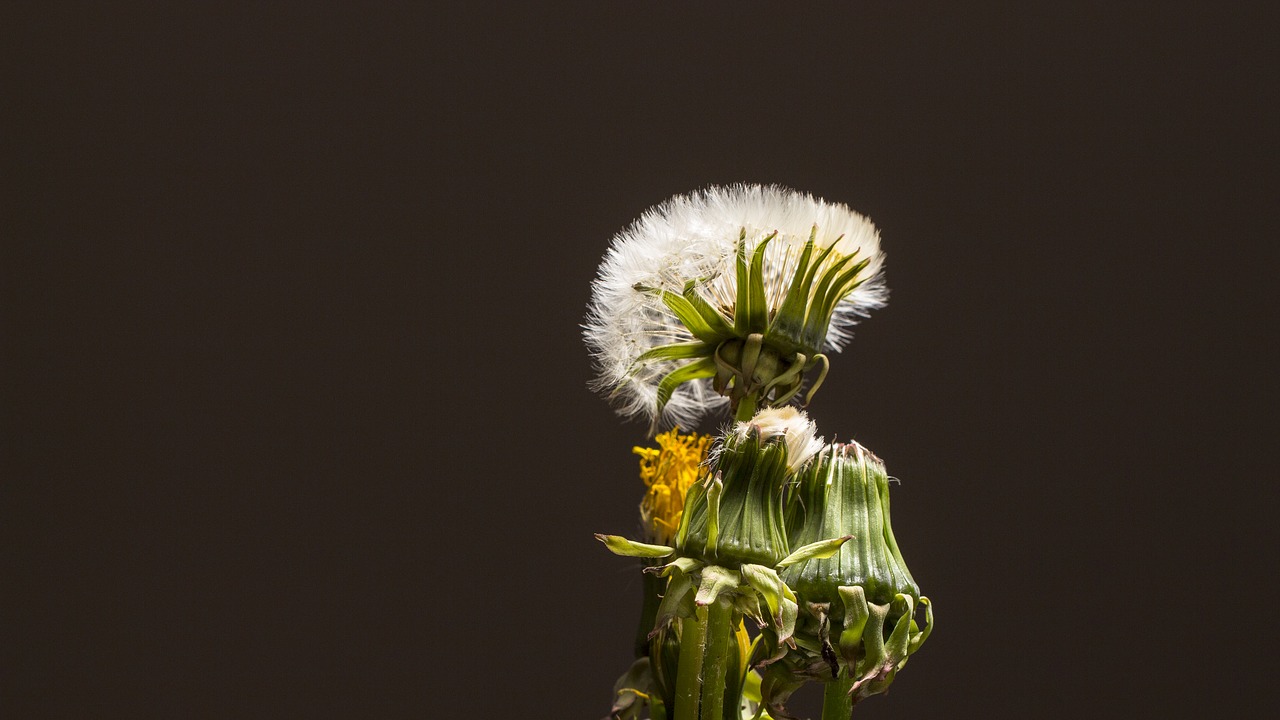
(798, 432)
(694, 237)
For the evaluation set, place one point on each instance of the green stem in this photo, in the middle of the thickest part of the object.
(837, 703)
(746, 407)
(716, 664)
(693, 641)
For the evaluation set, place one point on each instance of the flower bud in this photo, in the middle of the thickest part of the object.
(847, 493)
(736, 517)
(857, 606)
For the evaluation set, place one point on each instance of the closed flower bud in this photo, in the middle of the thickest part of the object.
(857, 621)
(736, 516)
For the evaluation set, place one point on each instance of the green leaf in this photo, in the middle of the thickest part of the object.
(619, 545)
(751, 678)
(820, 549)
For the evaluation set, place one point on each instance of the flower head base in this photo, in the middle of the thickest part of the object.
(729, 293)
(668, 471)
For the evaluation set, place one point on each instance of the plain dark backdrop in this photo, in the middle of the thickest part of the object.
(295, 418)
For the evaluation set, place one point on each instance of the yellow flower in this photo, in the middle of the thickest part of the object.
(668, 470)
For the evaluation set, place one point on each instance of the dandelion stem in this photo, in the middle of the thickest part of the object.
(746, 407)
(716, 665)
(693, 641)
(837, 702)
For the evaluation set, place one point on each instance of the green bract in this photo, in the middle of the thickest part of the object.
(759, 349)
(736, 517)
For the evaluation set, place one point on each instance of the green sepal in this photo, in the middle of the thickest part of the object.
(742, 303)
(676, 351)
(719, 326)
(677, 602)
(751, 679)
(683, 564)
(692, 498)
(873, 650)
(749, 605)
(822, 375)
(790, 318)
(633, 691)
(789, 324)
(833, 286)
(785, 379)
(709, 328)
(787, 619)
(821, 549)
(856, 612)
(766, 582)
(619, 545)
(758, 312)
(897, 646)
(716, 581)
(751, 348)
(777, 685)
(918, 640)
(714, 490)
(820, 304)
(779, 598)
(696, 370)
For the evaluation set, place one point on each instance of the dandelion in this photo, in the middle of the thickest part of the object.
(729, 296)
(733, 296)
(668, 471)
(724, 566)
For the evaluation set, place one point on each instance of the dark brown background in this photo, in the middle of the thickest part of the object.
(294, 404)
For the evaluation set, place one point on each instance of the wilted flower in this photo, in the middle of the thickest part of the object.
(729, 295)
